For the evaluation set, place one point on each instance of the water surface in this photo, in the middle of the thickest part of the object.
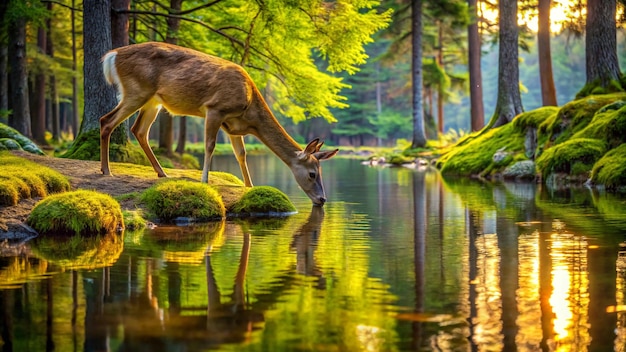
(397, 260)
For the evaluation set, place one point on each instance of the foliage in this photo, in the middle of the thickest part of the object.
(170, 199)
(21, 178)
(81, 212)
(133, 220)
(263, 200)
(610, 170)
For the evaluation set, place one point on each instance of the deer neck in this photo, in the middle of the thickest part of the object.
(273, 135)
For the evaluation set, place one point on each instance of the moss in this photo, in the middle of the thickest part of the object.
(87, 147)
(189, 161)
(397, 159)
(476, 155)
(80, 212)
(576, 115)
(561, 158)
(263, 200)
(596, 88)
(9, 144)
(610, 170)
(133, 220)
(10, 134)
(170, 199)
(27, 179)
(534, 118)
(78, 252)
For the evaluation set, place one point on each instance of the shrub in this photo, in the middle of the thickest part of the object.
(170, 199)
(80, 212)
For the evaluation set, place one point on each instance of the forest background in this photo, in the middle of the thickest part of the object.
(361, 93)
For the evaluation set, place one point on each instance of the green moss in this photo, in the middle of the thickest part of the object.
(78, 252)
(170, 199)
(534, 118)
(11, 137)
(610, 170)
(263, 200)
(576, 115)
(27, 179)
(608, 124)
(561, 158)
(476, 154)
(133, 220)
(189, 161)
(87, 147)
(80, 212)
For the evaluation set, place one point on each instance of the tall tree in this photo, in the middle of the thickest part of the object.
(18, 77)
(4, 59)
(477, 111)
(601, 44)
(509, 103)
(548, 92)
(38, 102)
(419, 135)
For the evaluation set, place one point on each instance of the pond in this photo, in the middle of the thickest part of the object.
(397, 260)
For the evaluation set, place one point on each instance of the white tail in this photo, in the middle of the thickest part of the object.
(187, 82)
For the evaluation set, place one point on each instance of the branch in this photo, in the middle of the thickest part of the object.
(62, 5)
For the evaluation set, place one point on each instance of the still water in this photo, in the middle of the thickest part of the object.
(397, 260)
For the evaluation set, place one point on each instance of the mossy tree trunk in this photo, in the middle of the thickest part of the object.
(602, 66)
(509, 103)
(100, 98)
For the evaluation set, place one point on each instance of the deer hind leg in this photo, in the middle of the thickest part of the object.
(141, 130)
(239, 149)
(109, 122)
(212, 123)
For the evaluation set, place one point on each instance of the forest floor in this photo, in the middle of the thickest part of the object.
(82, 175)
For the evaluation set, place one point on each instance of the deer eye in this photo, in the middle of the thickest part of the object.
(312, 175)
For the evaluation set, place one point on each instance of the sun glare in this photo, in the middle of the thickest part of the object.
(558, 14)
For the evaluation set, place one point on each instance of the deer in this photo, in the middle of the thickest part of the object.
(187, 82)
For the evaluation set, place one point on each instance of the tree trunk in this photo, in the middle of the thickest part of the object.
(548, 92)
(38, 116)
(475, 72)
(601, 43)
(119, 23)
(74, 119)
(54, 96)
(440, 90)
(419, 136)
(509, 102)
(166, 125)
(20, 118)
(4, 59)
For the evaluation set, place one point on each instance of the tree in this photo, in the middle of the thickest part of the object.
(419, 135)
(477, 112)
(548, 92)
(38, 102)
(602, 66)
(509, 103)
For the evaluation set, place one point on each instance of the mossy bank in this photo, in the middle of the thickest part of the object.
(580, 142)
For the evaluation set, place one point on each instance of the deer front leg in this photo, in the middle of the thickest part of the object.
(239, 149)
(212, 124)
(141, 130)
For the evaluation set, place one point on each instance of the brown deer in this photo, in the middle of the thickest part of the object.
(188, 82)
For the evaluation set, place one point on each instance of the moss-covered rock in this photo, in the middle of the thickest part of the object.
(133, 220)
(263, 200)
(11, 139)
(610, 170)
(573, 157)
(80, 212)
(520, 171)
(170, 199)
(21, 178)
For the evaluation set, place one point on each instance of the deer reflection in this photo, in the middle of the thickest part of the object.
(305, 242)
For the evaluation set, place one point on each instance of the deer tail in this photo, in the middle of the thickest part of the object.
(108, 67)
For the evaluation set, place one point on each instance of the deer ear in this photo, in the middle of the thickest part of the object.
(325, 155)
(319, 146)
(312, 146)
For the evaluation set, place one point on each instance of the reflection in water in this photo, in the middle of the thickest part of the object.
(398, 260)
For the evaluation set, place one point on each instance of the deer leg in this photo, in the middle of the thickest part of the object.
(212, 124)
(239, 149)
(108, 122)
(141, 130)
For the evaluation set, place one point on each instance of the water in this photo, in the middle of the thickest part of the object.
(397, 260)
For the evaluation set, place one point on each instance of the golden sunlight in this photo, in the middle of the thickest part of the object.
(558, 15)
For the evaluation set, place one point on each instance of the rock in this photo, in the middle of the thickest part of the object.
(520, 171)
(499, 155)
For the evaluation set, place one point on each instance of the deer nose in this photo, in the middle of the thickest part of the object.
(322, 200)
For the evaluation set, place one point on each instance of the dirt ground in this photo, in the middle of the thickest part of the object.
(83, 175)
